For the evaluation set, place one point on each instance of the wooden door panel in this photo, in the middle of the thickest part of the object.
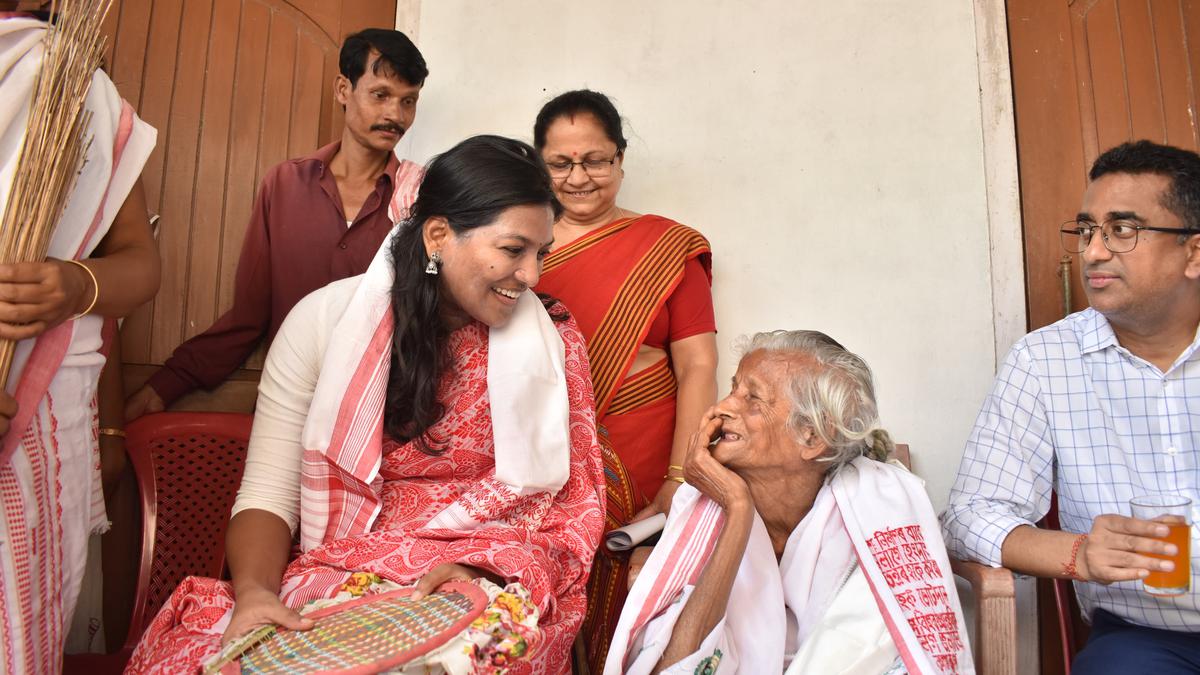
(233, 87)
(1089, 75)
(324, 15)
(308, 97)
(183, 94)
(215, 157)
(1137, 41)
(1104, 100)
(242, 172)
(154, 88)
(1179, 102)
(1191, 27)
(1050, 148)
(127, 29)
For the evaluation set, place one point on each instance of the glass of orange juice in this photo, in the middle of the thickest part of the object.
(1173, 511)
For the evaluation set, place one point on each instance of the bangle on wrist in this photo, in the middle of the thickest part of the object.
(95, 287)
(112, 431)
(677, 479)
(1069, 568)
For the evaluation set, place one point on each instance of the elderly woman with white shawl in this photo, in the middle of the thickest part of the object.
(794, 546)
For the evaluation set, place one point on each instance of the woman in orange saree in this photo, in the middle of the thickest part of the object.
(639, 287)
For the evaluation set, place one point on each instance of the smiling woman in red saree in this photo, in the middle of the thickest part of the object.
(497, 474)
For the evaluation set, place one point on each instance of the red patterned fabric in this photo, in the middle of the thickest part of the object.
(545, 542)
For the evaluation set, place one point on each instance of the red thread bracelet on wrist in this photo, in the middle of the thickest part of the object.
(1069, 568)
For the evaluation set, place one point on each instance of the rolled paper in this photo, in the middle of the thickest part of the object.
(625, 538)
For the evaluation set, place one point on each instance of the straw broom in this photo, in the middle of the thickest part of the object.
(54, 146)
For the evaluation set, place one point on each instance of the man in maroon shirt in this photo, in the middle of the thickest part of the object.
(316, 219)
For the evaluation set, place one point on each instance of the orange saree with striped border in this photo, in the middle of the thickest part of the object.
(615, 280)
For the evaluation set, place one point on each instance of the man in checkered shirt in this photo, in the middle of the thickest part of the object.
(1101, 407)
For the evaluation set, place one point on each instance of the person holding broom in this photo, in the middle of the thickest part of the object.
(100, 262)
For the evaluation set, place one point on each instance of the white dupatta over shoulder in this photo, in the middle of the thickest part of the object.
(871, 516)
(344, 433)
(49, 462)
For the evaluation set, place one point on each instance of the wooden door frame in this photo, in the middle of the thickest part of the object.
(1000, 175)
(408, 18)
(1006, 237)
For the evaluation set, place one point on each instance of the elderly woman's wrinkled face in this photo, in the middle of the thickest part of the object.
(754, 432)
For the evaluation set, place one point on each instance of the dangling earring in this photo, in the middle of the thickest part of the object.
(435, 259)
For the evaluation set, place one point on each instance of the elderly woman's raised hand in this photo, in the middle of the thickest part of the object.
(703, 472)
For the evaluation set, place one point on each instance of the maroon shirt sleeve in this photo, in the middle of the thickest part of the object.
(209, 358)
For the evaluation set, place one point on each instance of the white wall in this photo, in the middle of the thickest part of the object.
(832, 152)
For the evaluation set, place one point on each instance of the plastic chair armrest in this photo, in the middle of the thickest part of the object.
(994, 591)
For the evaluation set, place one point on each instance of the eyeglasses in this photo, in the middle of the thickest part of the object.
(1119, 236)
(596, 168)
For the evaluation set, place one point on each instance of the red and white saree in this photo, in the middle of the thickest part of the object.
(371, 505)
(49, 460)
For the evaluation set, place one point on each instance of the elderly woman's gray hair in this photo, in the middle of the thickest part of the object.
(836, 399)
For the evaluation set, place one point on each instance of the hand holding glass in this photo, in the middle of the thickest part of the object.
(1174, 512)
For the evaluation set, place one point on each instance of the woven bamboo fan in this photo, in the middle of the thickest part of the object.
(55, 142)
(367, 635)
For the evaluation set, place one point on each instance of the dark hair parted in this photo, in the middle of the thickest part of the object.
(1181, 167)
(396, 53)
(469, 185)
(580, 102)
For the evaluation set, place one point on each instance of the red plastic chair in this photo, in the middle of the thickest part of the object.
(188, 467)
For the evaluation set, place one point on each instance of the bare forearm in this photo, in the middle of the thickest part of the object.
(126, 264)
(710, 599)
(1037, 552)
(257, 544)
(127, 279)
(696, 392)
